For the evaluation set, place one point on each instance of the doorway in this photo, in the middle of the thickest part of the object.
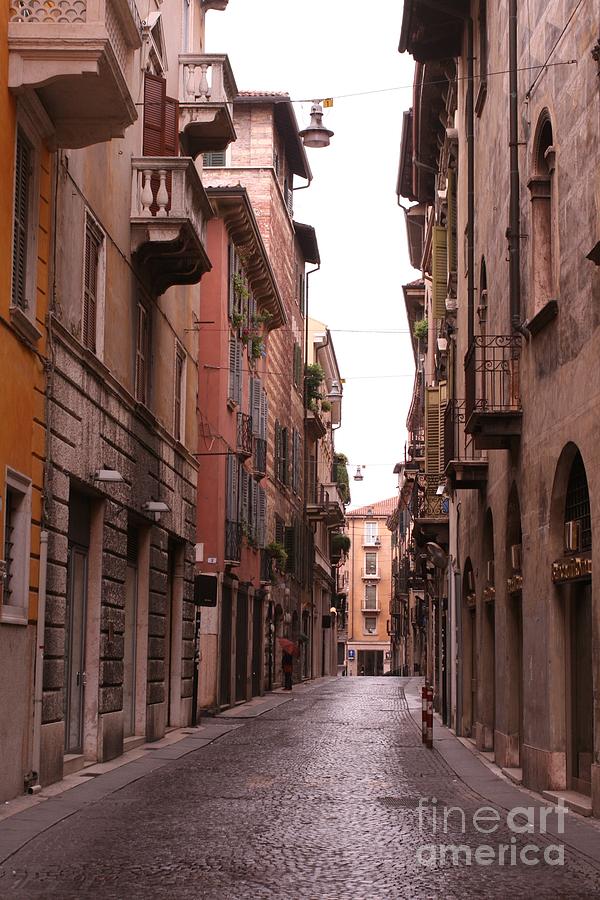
(130, 649)
(370, 662)
(241, 645)
(256, 645)
(225, 648)
(75, 648)
(580, 718)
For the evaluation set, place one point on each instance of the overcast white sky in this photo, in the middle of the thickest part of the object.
(323, 48)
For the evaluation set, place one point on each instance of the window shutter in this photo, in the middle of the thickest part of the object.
(214, 158)
(231, 273)
(285, 450)
(439, 273)
(155, 89)
(264, 414)
(254, 508)
(232, 389)
(279, 531)
(232, 488)
(452, 222)
(23, 162)
(261, 536)
(432, 430)
(290, 549)
(239, 371)
(141, 354)
(244, 491)
(93, 243)
(277, 450)
(256, 405)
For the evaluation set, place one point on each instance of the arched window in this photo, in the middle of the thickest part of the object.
(482, 309)
(543, 216)
(577, 509)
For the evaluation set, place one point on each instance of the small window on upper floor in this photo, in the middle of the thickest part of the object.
(25, 230)
(215, 158)
(481, 91)
(92, 317)
(142, 353)
(542, 189)
(179, 398)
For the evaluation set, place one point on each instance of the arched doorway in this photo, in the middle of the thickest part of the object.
(487, 682)
(577, 591)
(469, 652)
(514, 626)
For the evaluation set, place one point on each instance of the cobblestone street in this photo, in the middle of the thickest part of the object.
(317, 798)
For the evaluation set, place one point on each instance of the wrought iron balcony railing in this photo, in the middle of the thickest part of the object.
(244, 435)
(430, 503)
(492, 374)
(233, 541)
(458, 445)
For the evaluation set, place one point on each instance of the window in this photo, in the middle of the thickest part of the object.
(370, 596)
(542, 190)
(21, 224)
(281, 453)
(179, 404)
(93, 278)
(370, 563)
(301, 289)
(483, 58)
(288, 196)
(297, 364)
(296, 461)
(214, 158)
(232, 510)
(16, 546)
(370, 624)
(371, 529)
(234, 391)
(142, 353)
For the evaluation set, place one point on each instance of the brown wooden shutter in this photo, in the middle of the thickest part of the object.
(452, 223)
(23, 162)
(171, 128)
(93, 243)
(155, 97)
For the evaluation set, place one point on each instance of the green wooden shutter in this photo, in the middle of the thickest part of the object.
(277, 450)
(452, 222)
(432, 430)
(214, 158)
(256, 405)
(261, 536)
(439, 271)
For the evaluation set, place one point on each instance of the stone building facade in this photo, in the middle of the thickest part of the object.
(128, 223)
(521, 410)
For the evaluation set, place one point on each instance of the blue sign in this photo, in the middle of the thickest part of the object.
(351, 654)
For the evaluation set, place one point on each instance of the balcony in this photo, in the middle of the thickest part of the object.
(265, 567)
(314, 424)
(370, 575)
(233, 542)
(244, 435)
(464, 463)
(493, 401)
(207, 89)
(335, 514)
(72, 60)
(369, 607)
(431, 509)
(259, 459)
(169, 210)
(324, 504)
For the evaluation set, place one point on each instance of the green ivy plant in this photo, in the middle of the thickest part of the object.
(420, 329)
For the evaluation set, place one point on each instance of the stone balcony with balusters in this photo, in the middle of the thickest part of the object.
(71, 60)
(207, 90)
(169, 211)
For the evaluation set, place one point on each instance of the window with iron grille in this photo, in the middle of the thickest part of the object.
(21, 222)
(370, 596)
(577, 506)
(179, 404)
(16, 548)
(94, 241)
(142, 353)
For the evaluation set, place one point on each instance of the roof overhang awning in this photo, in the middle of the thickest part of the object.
(433, 29)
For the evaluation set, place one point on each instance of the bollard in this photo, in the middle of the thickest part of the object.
(424, 713)
(430, 718)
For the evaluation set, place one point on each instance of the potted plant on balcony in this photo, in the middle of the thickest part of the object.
(314, 376)
(340, 476)
(340, 544)
(278, 556)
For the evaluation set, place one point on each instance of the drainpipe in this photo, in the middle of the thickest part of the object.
(514, 229)
(39, 665)
(470, 187)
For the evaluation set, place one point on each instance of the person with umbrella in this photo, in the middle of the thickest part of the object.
(289, 650)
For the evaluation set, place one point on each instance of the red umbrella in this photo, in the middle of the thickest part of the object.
(289, 646)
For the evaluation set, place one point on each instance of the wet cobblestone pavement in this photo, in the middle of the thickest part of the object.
(316, 799)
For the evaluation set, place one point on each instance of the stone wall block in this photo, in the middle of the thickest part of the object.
(53, 706)
(54, 674)
(156, 692)
(110, 699)
(111, 672)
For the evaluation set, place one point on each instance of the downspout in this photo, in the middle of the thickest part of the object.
(514, 229)
(470, 187)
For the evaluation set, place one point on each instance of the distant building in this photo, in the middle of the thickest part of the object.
(369, 568)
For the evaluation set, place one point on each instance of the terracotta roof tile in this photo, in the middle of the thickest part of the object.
(381, 508)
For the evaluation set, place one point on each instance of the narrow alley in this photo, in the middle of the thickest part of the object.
(327, 794)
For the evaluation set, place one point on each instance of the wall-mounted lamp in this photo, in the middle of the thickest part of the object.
(316, 135)
(108, 475)
(155, 507)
